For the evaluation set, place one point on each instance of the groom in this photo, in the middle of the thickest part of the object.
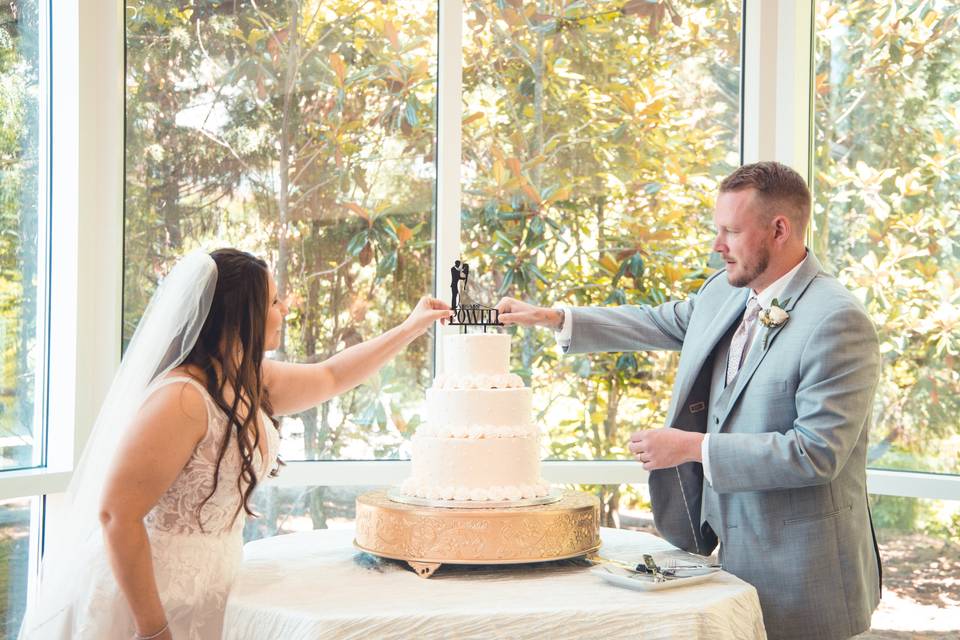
(764, 449)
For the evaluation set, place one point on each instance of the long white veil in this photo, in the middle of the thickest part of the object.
(165, 335)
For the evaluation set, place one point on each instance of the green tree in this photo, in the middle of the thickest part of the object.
(302, 131)
(887, 218)
(592, 173)
(20, 155)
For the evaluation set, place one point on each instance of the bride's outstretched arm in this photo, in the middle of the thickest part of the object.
(296, 387)
(158, 444)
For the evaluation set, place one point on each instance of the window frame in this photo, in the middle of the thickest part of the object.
(87, 76)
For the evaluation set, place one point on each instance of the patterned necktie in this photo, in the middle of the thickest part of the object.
(741, 339)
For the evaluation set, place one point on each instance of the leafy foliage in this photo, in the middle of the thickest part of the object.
(303, 132)
(594, 134)
(887, 217)
(19, 224)
(591, 173)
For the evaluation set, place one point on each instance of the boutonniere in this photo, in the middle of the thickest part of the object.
(774, 317)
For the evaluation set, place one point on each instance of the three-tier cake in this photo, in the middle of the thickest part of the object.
(479, 442)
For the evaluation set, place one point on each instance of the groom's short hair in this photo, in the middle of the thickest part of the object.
(779, 189)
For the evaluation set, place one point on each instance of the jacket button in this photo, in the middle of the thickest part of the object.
(716, 420)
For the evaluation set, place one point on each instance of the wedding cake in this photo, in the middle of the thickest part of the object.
(479, 442)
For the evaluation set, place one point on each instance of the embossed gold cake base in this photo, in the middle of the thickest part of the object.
(427, 537)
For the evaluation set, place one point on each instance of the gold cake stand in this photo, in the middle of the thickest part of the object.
(427, 537)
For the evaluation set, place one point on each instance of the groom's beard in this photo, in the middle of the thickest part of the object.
(753, 268)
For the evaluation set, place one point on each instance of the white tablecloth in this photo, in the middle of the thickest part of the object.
(317, 585)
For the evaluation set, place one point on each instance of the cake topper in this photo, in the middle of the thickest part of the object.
(468, 315)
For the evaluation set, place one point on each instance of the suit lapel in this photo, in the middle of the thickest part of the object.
(730, 311)
(795, 289)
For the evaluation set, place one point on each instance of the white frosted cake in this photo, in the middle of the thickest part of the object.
(479, 441)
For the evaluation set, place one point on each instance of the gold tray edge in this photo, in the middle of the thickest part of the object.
(511, 512)
(584, 552)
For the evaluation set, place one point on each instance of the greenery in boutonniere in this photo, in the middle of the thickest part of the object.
(774, 317)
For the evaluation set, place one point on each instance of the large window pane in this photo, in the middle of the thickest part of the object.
(595, 134)
(920, 547)
(302, 131)
(14, 563)
(21, 241)
(291, 509)
(887, 179)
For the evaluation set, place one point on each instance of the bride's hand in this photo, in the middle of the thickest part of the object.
(427, 311)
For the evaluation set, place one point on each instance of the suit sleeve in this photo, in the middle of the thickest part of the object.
(629, 328)
(839, 368)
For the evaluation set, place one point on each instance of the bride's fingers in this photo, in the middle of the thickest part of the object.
(429, 302)
(429, 317)
(438, 304)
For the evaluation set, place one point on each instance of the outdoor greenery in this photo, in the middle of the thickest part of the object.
(594, 137)
(304, 131)
(887, 219)
(19, 167)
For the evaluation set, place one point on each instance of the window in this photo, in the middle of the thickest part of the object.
(886, 209)
(14, 563)
(307, 139)
(918, 540)
(23, 222)
(288, 509)
(594, 137)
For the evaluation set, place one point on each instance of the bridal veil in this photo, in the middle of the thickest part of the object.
(165, 335)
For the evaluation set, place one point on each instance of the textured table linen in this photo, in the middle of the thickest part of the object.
(317, 585)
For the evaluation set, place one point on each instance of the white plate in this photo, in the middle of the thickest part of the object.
(643, 582)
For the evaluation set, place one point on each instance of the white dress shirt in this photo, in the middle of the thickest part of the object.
(764, 298)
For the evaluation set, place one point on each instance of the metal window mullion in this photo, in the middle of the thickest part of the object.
(87, 240)
(777, 82)
(912, 484)
(32, 482)
(392, 472)
(101, 72)
(44, 228)
(449, 147)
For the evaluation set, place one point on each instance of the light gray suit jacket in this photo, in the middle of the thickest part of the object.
(787, 449)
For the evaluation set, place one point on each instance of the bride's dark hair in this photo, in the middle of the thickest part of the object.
(235, 325)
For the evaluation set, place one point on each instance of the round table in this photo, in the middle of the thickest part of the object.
(317, 585)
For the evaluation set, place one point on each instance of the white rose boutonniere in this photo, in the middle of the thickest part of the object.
(774, 317)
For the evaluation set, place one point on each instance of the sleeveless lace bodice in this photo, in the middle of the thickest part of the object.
(177, 510)
(193, 567)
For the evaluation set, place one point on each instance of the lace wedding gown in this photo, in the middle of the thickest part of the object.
(193, 568)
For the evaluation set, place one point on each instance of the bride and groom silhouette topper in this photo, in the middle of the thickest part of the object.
(468, 315)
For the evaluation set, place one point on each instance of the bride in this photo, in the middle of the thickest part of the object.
(153, 538)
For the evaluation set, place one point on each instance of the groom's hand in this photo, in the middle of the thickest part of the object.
(664, 448)
(518, 312)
